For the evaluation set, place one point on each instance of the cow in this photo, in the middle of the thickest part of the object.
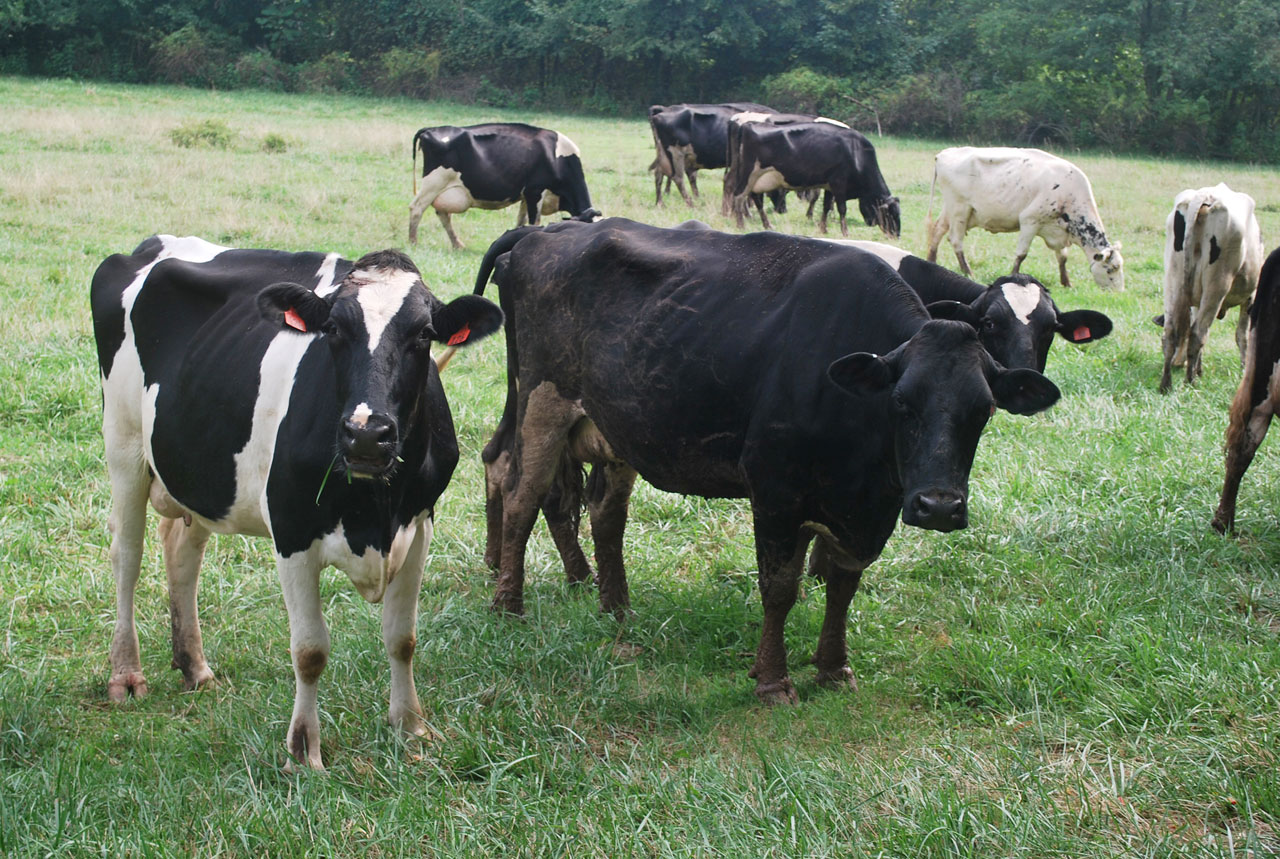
(1015, 316)
(733, 157)
(494, 165)
(285, 395)
(1259, 393)
(655, 353)
(1212, 256)
(840, 161)
(1028, 191)
(689, 138)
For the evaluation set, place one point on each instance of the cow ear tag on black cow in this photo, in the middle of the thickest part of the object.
(1081, 333)
(293, 320)
(460, 336)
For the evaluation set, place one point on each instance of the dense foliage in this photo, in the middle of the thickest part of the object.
(1167, 76)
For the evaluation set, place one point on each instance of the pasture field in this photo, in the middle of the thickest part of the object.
(1088, 670)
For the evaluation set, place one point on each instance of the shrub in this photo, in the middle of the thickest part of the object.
(274, 143)
(334, 72)
(193, 57)
(803, 90)
(924, 104)
(259, 70)
(210, 133)
(401, 71)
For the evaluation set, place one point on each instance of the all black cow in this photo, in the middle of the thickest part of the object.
(494, 165)
(802, 375)
(289, 395)
(1015, 316)
(1259, 393)
(840, 161)
(689, 138)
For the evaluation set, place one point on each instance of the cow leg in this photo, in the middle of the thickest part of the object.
(841, 205)
(842, 577)
(522, 213)
(432, 186)
(608, 494)
(1197, 334)
(1062, 268)
(677, 172)
(693, 184)
(1242, 331)
(1177, 317)
(541, 436)
(129, 489)
(184, 547)
(764, 219)
(657, 185)
(400, 633)
(1247, 429)
(309, 647)
(533, 206)
(826, 212)
(560, 509)
(955, 233)
(936, 229)
(495, 475)
(447, 220)
(779, 557)
(813, 201)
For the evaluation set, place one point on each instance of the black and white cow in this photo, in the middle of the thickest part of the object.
(734, 170)
(1258, 396)
(1015, 316)
(689, 138)
(494, 165)
(674, 372)
(840, 161)
(1212, 257)
(288, 395)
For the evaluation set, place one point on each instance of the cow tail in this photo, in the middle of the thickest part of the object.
(1200, 206)
(414, 169)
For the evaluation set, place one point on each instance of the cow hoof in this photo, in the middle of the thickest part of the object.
(838, 678)
(121, 686)
(777, 692)
(197, 679)
(504, 604)
(409, 722)
(1222, 525)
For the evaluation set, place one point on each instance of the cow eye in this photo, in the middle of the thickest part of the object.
(988, 325)
(900, 403)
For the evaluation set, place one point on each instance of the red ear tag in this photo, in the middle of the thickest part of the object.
(460, 336)
(293, 320)
(1081, 333)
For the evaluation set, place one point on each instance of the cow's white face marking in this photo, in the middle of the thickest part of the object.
(565, 146)
(381, 293)
(1024, 298)
(324, 277)
(360, 416)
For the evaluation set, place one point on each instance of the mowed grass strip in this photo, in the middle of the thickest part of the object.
(1087, 670)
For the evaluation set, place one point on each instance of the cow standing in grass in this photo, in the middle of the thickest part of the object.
(1258, 396)
(1212, 257)
(656, 353)
(1027, 191)
(494, 165)
(285, 395)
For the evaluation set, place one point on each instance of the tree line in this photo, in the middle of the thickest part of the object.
(1178, 77)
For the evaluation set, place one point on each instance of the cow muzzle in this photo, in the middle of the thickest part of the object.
(368, 445)
(936, 510)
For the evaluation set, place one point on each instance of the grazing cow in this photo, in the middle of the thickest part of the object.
(840, 161)
(288, 395)
(494, 165)
(1015, 316)
(673, 371)
(1033, 193)
(689, 138)
(1259, 393)
(733, 170)
(1212, 256)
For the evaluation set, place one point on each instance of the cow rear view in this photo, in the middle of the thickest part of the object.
(286, 395)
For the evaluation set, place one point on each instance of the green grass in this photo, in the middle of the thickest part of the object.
(1088, 670)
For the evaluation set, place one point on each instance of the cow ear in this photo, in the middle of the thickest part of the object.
(466, 319)
(291, 305)
(1023, 391)
(955, 310)
(862, 373)
(1083, 326)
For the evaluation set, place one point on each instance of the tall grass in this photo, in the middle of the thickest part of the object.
(1088, 670)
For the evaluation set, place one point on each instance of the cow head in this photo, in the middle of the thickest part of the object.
(1107, 267)
(942, 388)
(882, 212)
(378, 324)
(1016, 319)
